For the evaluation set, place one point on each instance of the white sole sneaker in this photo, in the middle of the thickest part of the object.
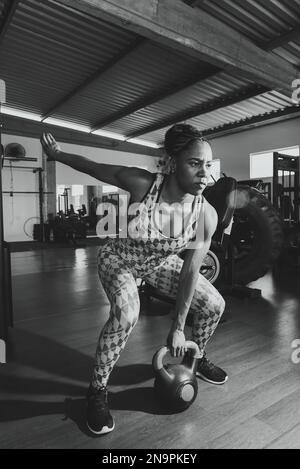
(103, 431)
(199, 375)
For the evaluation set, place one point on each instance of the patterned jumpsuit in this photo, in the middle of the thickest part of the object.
(152, 257)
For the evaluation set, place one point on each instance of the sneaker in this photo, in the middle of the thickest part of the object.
(210, 372)
(99, 419)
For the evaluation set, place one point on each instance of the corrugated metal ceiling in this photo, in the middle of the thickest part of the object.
(207, 90)
(146, 70)
(262, 21)
(260, 105)
(49, 51)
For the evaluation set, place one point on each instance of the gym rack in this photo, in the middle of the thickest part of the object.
(286, 189)
(40, 192)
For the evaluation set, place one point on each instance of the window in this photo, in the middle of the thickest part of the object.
(261, 164)
(77, 190)
(216, 169)
(109, 189)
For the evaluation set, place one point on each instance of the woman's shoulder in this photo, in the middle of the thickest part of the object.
(142, 181)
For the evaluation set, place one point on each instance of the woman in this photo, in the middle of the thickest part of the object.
(155, 237)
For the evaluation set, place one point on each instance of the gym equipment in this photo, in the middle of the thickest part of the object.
(176, 385)
(286, 181)
(222, 196)
(257, 235)
(41, 236)
(264, 188)
(15, 150)
(71, 210)
(249, 249)
(65, 197)
(286, 188)
(82, 211)
(211, 267)
(68, 226)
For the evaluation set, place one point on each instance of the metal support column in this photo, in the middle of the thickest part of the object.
(5, 274)
(41, 204)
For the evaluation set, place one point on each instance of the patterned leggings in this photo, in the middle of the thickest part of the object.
(120, 286)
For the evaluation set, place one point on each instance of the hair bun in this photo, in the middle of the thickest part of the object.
(179, 136)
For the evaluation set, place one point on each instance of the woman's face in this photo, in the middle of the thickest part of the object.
(193, 167)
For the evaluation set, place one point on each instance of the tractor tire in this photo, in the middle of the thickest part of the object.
(257, 235)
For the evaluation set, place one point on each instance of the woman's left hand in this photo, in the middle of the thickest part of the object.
(176, 343)
(50, 146)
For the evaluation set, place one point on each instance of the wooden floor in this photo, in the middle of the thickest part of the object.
(59, 311)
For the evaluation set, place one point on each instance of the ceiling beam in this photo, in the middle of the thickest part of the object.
(23, 127)
(282, 40)
(156, 97)
(95, 76)
(194, 3)
(196, 33)
(8, 14)
(191, 3)
(273, 117)
(279, 41)
(227, 100)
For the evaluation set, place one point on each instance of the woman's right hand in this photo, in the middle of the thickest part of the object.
(176, 343)
(50, 146)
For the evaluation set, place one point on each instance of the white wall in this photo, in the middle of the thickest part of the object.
(234, 150)
(21, 211)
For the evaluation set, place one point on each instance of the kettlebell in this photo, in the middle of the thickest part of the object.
(176, 385)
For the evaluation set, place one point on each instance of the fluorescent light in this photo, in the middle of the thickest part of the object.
(78, 127)
(67, 125)
(2, 92)
(105, 133)
(145, 143)
(17, 113)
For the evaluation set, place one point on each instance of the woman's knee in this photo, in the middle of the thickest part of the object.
(129, 320)
(216, 307)
(132, 315)
(126, 311)
(210, 304)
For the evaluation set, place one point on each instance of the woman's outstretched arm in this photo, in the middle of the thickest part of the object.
(128, 179)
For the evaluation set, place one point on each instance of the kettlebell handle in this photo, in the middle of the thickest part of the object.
(162, 352)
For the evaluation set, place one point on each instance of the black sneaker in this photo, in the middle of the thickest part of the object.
(99, 419)
(210, 372)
